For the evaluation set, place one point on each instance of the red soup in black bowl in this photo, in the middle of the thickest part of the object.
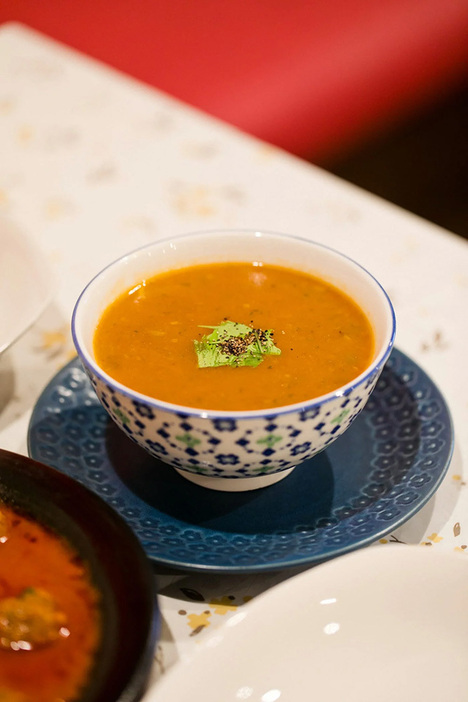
(78, 611)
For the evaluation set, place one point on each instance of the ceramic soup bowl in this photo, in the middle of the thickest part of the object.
(233, 450)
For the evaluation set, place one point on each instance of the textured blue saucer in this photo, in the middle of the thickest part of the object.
(370, 481)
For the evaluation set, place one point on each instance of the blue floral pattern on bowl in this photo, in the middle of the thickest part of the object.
(251, 447)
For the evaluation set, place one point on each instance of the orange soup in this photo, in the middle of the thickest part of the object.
(49, 618)
(145, 338)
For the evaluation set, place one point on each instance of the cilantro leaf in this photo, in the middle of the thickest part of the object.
(234, 344)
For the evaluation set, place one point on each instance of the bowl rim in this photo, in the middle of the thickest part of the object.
(186, 411)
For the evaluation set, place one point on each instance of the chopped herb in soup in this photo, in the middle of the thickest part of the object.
(49, 615)
(233, 344)
(233, 336)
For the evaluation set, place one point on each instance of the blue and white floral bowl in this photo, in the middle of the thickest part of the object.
(233, 450)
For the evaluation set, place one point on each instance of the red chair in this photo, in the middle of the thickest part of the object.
(314, 77)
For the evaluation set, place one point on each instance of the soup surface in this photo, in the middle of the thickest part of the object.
(145, 338)
(49, 618)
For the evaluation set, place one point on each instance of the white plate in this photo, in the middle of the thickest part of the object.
(384, 623)
(26, 283)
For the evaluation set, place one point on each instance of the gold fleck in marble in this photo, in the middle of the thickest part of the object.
(102, 173)
(198, 622)
(52, 338)
(57, 207)
(197, 150)
(6, 106)
(194, 200)
(265, 152)
(56, 344)
(223, 605)
(435, 538)
(25, 134)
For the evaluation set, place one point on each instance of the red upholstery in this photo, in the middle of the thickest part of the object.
(312, 76)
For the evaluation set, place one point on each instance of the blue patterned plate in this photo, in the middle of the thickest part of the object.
(370, 481)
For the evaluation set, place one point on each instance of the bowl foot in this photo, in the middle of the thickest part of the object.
(235, 484)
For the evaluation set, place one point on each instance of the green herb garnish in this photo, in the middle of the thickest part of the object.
(233, 344)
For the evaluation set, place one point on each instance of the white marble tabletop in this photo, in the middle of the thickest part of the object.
(94, 164)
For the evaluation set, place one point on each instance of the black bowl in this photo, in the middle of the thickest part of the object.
(117, 563)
